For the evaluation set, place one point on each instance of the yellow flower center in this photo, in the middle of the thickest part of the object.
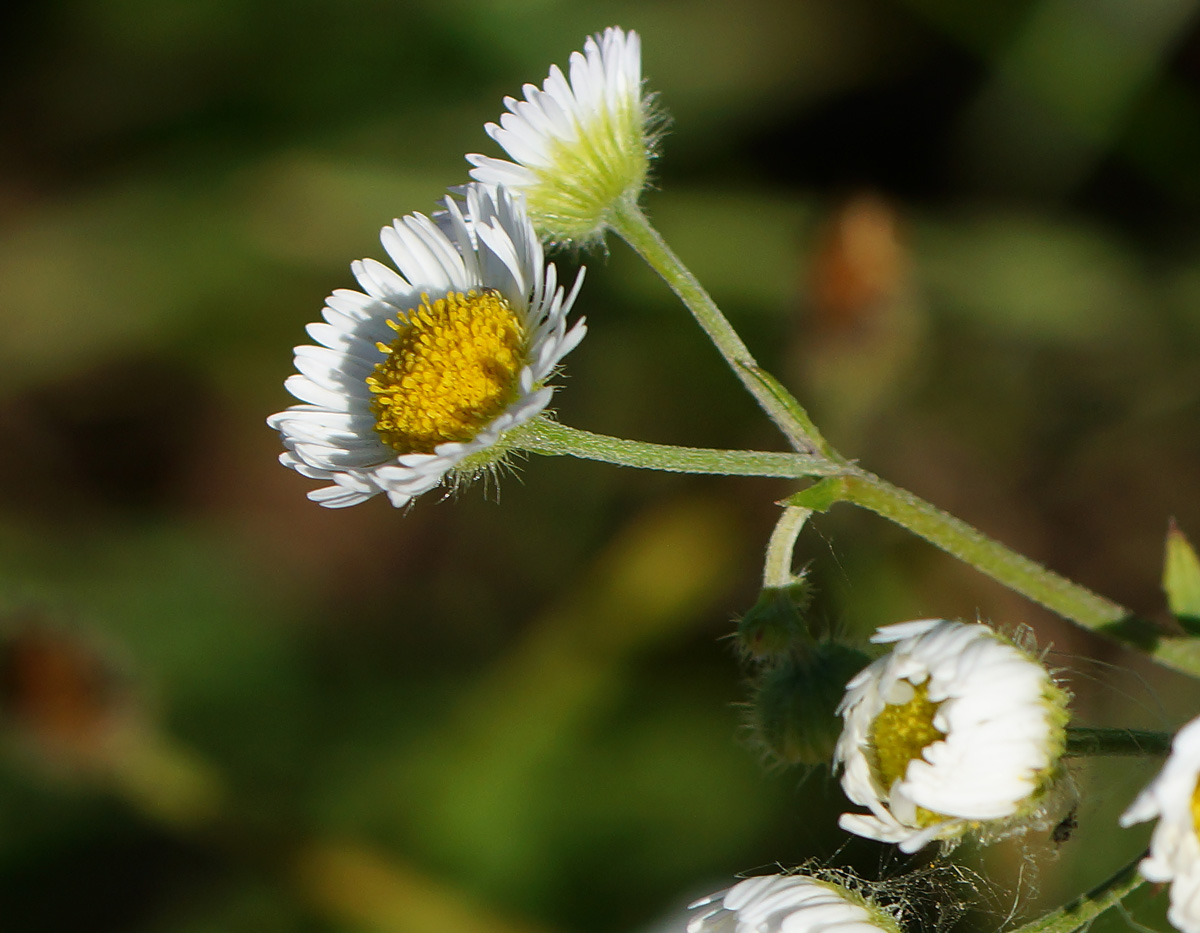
(452, 368)
(901, 732)
(1196, 808)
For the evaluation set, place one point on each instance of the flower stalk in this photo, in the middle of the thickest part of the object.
(965, 542)
(554, 439)
(777, 568)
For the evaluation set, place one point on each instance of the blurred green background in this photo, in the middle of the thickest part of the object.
(966, 234)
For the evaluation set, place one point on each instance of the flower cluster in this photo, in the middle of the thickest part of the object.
(432, 371)
(438, 367)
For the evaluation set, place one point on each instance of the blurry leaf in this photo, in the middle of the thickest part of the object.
(1029, 276)
(304, 209)
(865, 331)
(1181, 576)
(117, 269)
(743, 247)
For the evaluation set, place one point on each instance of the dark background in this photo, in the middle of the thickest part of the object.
(965, 234)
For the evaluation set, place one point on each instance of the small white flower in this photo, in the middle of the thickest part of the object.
(430, 371)
(789, 904)
(955, 729)
(1174, 797)
(578, 146)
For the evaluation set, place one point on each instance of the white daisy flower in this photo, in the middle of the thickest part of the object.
(1174, 798)
(956, 729)
(578, 146)
(432, 371)
(789, 904)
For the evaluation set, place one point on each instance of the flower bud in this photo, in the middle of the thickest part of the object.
(579, 146)
(775, 624)
(956, 730)
(794, 710)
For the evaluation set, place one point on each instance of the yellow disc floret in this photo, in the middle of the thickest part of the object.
(1196, 809)
(452, 368)
(901, 732)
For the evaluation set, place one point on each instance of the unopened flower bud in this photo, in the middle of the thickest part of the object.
(775, 624)
(794, 709)
(580, 144)
(957, 730)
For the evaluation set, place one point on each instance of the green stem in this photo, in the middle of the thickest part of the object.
(777, 568)
(956, 537)
(1084, 741)
(1018, 573)
(554, 439)
(635, 229)
(1088, 907)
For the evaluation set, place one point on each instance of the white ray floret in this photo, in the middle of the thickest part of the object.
(429, 370)
(789, 904)
(956, 729)
(578, 146)
(1174, 856)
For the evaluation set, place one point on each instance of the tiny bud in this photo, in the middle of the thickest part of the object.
(794, 710)
(775, 625)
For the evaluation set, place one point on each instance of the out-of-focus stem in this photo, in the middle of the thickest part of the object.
(1088, 742)
(1086, 908)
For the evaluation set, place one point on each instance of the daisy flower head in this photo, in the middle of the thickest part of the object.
(579, 146)
(955, 730)
(1174, 798)
(789, 904)
(429, 372)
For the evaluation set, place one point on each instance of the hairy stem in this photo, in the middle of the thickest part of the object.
(554, 439)
(956, 537)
